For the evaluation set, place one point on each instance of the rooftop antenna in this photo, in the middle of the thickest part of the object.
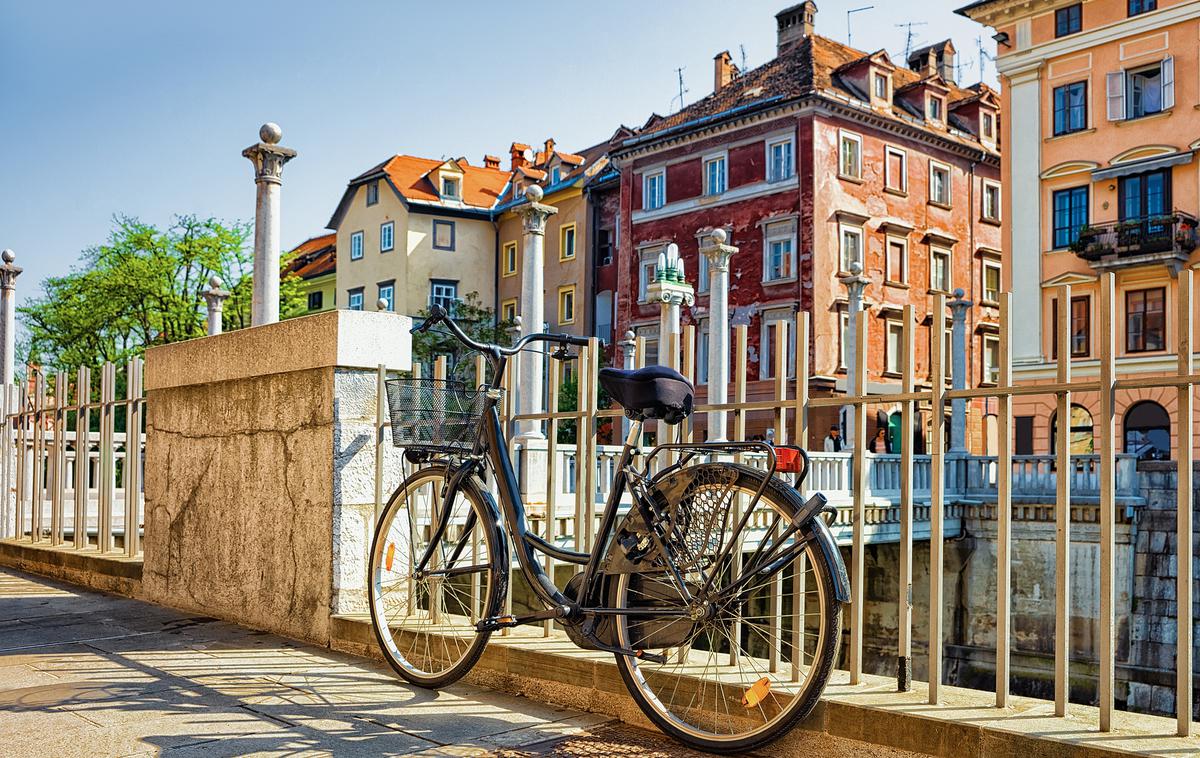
(908, 39)
(984, 56)
(743, 68)
(682, 90)
(849, 38)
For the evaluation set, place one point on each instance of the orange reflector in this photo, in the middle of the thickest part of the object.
(757, 692)
(391, 554)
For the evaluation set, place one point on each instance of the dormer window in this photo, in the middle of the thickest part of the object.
(934, 109)
(555, 175)
(451, 188)
(372, 193)
(879, 87)
(987, 126)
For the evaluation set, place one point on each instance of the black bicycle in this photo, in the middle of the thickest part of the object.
(716, 586)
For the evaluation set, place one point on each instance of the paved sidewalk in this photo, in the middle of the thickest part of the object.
(89, 674)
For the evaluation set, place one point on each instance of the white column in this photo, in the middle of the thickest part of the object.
(8, 314)
(958, 368)
(855, 284)
(533, 308)
(268, 159)
(718, 255)
(215, 297)
(1024, 192)
(671, 290)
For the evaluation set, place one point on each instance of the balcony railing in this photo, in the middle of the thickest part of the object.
(1126, 242)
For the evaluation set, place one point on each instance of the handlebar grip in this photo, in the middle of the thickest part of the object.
(569, 339)
(436, 313)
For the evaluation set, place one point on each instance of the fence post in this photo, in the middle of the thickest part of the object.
(8, 515)
(58, 462)
(133, 456)
(1183, 511)
(83, 396)
(937, 485)
(37, 495)
(1108, 494)
(1062, 509)
(858, 486)
(904, 617)
(1004, 505)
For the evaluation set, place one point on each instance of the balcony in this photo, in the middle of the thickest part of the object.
(1166, 239)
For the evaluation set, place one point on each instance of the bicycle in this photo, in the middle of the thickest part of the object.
(719, 589)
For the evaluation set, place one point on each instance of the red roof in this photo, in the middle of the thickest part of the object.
(314, 257)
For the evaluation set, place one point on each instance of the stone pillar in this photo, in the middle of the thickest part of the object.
(718, 254)
(670, 290)
(533, 307)
(268, 159)
(8, 314)
(855, 284)
(215, 296)
(958, 368)
(628, 362)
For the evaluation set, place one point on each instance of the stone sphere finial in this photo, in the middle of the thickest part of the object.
(533, 193)
(381, 304)
(958, 293)
(215, 282)
(270, 133)
(855, 268)
(719, 236)
(630, 336)
(8, 255)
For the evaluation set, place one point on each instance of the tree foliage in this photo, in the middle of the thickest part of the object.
(143, 287)
(480, 324)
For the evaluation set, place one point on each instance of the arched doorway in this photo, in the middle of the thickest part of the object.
(1081, 434)
(1148, 431)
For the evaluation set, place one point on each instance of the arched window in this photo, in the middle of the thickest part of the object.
(1148, 431)
(1082, 439)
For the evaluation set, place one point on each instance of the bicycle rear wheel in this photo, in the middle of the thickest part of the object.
(749, 661)
(425, 620)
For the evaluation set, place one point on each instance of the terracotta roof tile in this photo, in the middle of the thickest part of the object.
(413, 178)
(314, 257)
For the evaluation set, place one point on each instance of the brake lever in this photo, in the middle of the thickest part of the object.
(562, 354)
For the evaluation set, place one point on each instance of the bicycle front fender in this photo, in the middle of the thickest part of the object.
(817, 531)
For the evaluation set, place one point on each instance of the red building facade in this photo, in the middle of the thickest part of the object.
(822, 157)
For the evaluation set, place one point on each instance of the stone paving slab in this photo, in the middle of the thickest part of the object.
(88, 674)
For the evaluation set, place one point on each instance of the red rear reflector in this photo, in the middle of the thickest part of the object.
(788, 460)
(391, 554)
(757, 693)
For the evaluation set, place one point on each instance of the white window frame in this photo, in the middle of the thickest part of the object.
(990, 187)
(772, 176)
(890, 275)
(352, 296)
(855, 139)
(456, 182)
(766, 360)
(390, 296)
(779, 231)
(720, 183)
(935, 166)
(991, 374)
(853, 230)
(888, 182)
(941, 101)
(983, 287)
(876, 77)
(387, 236)
(935, 251)
(451, 287)
(647, 268)
(893, 359)
(985, 117)
(556, 175)
(652, 201)
(843, 330)
(356, 246)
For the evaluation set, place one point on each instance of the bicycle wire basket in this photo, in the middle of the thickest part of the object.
(434, 415)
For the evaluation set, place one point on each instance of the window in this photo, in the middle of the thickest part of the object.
(895, 172)
(1145, 320)
(555, 174)
(566, 243)
(939, 269)
(1068, 20)
(1023, 435)
(654, 190)
(897, 260)
(1070, 108)
(989, 126)
(451, 188)
(702, 274)
(604, 247)
(443, 235)
(772, 322)
(387, 234)
(1145, 91)
(1141, 92)
(881, 86)
(1080, 327)
(850, 160)
(702, 343)
(510, 258)
(1142, 197)
(780, 251)
(991, 359)
(991, 282)
(844, 331)
(991, 201)
(356, 246)
(1070, 215)
(852, 246)
(1148, 431)
(934, 109)
(316, 300)
(387, 293)
(566, 304)
(443, 293)
(508, 311)
(894, 358)
(647, 268)
(1081, 434)
(372, 193)
(939, 183)
(1137, 7)
(354, 299)
(779, 159)
(714, 175)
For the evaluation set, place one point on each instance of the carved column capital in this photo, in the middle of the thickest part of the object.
(534, 216)
(268, 161)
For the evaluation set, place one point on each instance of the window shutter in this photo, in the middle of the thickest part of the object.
(1116, 96)
(1168, 83)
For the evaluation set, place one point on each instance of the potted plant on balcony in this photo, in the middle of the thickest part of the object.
(1088, 245)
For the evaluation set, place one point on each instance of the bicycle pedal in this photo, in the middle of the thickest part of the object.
(642, 655)
(495, 623)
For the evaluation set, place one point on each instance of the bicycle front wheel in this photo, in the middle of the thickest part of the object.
(750, 654)
(424, 615)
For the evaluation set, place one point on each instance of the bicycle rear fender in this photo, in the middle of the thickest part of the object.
(816, 529)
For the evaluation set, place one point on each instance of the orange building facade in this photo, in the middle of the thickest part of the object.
(1101, 120)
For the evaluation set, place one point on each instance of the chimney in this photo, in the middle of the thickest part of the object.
(491, 161)
(516, 153)
(724, 71)
(794, 24)
(935, 59)
(548, 146)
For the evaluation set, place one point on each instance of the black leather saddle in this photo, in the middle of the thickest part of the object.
(654, 392)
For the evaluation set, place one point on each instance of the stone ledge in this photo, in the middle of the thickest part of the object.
(108, 573)
(966, 725)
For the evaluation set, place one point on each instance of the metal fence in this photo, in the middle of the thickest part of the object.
(73, 459)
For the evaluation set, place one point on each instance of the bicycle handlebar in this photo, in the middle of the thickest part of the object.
(438, 315)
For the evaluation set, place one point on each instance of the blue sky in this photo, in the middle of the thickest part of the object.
(143, 108)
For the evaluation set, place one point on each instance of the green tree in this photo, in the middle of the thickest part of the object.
(480, 324)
